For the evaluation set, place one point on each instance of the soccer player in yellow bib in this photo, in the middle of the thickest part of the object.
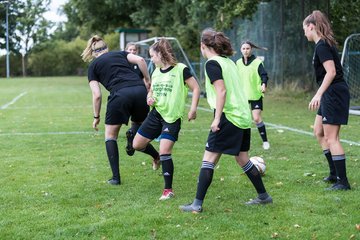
(170, 82)
(254, 78)
(230, 128)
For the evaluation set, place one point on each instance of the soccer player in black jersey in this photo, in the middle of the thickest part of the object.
(331, 99)
(133, 48)
(127, 99)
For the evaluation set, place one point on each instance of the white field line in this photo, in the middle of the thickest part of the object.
(12, 101)
(42, 107)
(276, 126)
(49, 133)
(84, 132)
(292, 129)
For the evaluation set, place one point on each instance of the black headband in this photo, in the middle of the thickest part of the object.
(100, 49)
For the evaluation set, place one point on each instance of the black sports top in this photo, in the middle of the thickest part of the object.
(186, 72)
(323, 52)
(113, 71)
(213, 70)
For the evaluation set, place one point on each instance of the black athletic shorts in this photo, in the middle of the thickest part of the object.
(154, 125)
(256, 104)
(125, 103)
(229, 139)
(334, 104)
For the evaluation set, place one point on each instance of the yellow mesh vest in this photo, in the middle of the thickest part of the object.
(249, 76)
(236, 106)
(170, 92)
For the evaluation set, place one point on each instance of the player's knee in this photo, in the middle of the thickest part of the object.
(319, 134)
(257, 118)
(332, 141)
(138, 146)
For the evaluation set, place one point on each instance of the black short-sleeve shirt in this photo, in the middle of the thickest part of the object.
(186, 72)
(113, 71)
(324, 52)
(213, 70)
(137, 70)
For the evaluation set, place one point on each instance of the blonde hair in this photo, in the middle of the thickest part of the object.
(94, 45)
(166, 52)
(322, 26)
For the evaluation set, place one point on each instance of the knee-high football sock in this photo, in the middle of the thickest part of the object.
(262, 130)
(167, 169)
(150, 150)
(340, 165)
(135, 127)
(255, 177)
(113, 156)
(130, 134)
(204, 181)
(328, 156)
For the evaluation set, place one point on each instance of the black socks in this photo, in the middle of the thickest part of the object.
(113, 156)
(150, 150)
(255, 177)
(339, 163)
(205, 179)
(262, 130)
(167, 169)
(327, 154)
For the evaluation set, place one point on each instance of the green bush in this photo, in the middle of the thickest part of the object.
(57, 58)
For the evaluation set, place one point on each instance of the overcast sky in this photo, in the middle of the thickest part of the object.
(53, 14)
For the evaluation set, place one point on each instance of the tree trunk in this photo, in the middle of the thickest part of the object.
(23, 65)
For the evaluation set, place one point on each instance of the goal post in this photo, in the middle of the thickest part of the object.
(350, 61)
(177, 48)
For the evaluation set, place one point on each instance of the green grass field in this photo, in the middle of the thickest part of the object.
(53, 172)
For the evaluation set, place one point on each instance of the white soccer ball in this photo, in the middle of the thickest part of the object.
(259, 164)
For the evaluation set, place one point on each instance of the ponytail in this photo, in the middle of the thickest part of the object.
(217, 41)
(322, 26)
(252, 45)
(163, 47)
(94, 45)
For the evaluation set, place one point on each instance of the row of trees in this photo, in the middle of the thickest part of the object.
(27, 26)
(179, 18)
(58, 53)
